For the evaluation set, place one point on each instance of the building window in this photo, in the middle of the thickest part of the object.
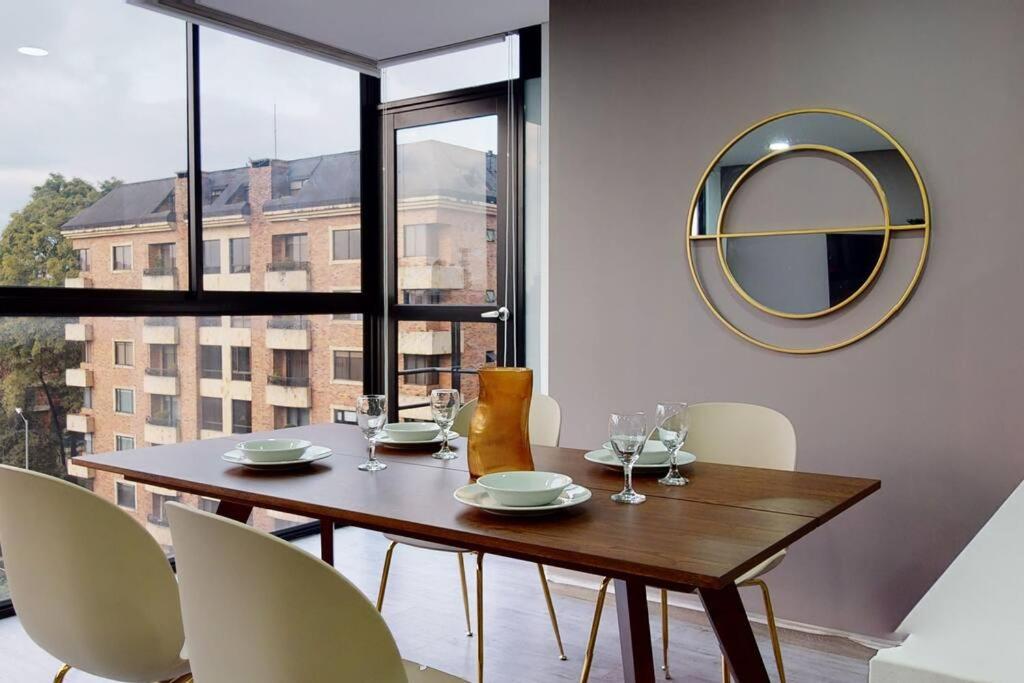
(241, 321)
(87, 444)
(125, 492)
(290, 251)
(87, 352)
(211, 414)
(82, 258)
(122, 257)
(346, 244)
(208, 505)
(291, 368)
(296, 185)
(210, 362)
(421, 297)
(87, 397)
(124, 443)
(211, 256)
(492, 235)
(124, 401)
(163, 410)
(241, 416)
(159, 514)
(163, 360)
(162, 258)
(241, 363)
(209, 321)
(290, 417)
(345, 416)
(239, 255)
(416, 362)
(348, 365)
(490, 357)
(490, 297)
(348, 317)
(124, 354)
(420, 240)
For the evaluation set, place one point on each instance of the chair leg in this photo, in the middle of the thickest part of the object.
(588, 658)
(480, 617)
(726, 678)
(551, 611)
(61, 674)
(773, 631)
(384, 575)
(465, 595)
(664, 633)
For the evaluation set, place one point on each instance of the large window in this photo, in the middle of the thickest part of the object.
(290, 251)
(348, 365)
(163, 411)
(239, 255)
(241, 363)
(421, 240)
(211, 412)
(124, 401)
(124, 353)
(125, 494)
(210, 362)
(345, 244)
(241, 416)
(211, 256)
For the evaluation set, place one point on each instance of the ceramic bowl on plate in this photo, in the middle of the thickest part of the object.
(274, 450)
(411, 431)
(654, 453)
(524, 489)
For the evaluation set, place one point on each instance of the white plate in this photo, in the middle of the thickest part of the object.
(609, 459)
(474, 495)
(385, 440)
(312, 454)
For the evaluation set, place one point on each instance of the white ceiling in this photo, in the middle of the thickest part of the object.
(382, 29)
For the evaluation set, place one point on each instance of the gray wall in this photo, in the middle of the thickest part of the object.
(643, 94)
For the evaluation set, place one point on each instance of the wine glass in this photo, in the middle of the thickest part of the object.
(673, 425)
(627, 433)
(372, 412)
(444, 405)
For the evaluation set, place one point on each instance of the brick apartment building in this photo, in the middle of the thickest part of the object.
(271, 226)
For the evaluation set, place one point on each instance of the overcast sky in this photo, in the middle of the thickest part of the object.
(109, 99)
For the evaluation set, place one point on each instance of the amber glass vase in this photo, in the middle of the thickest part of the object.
(499, 435)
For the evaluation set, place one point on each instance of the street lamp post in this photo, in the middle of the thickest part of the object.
(25, 419)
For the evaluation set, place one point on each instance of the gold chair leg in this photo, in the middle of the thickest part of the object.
(773, 631)
(465, 595)
(384, 575)
(61, 674)
(664, 633)
(588, 658)
(726, 678)
(480, 617)
(551, 611)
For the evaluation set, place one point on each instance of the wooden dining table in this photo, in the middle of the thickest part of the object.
(694, 538)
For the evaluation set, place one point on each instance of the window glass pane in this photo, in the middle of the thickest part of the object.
(164, 399)
(486, 63)
(125, 494)
(281, 167)
(447, 207)
(93, 144)
(211, 256)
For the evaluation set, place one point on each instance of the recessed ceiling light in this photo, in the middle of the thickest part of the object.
(33, 51)
(779, 145)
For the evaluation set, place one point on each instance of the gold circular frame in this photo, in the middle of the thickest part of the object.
(886, 228)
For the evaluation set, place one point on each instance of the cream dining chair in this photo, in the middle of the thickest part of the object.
(260, 610)
(728, 434)
(545, 426)
(91, 586)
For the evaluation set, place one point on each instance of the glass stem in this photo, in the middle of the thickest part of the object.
(672, 471)
(629, 476)
(373, 450)
(444, 435)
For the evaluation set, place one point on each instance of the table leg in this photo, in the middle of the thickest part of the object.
(237, 511)
(634, 631)
(327, 541)
(729, 620)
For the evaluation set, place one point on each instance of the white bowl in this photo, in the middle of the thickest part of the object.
(524, 489)
(274, 450)
(412, 431)
(654, 453)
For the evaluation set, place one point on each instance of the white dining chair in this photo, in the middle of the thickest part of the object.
(545, 424)
(90, 585)
(728, 434)
(261, 610)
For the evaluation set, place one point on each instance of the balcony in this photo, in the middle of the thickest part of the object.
(288, 392)
(162, 381)
(425, 343)
(80, 472)
(80, 282)
(160, 330)
(430, 277)
(161, 430)
(287, 276)
(78, 377)
(78, 332)
(159, 277)
(288, 334)
(83, 424)
(227, 282)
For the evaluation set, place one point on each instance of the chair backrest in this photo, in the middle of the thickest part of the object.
(741, 434)
(90, 585)
(545, 420)
(260, 610)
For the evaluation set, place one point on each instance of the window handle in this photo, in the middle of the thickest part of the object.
(500, 313)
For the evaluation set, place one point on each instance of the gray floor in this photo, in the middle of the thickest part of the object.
(424, 610)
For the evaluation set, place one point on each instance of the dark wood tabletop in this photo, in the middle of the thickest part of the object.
(701, 536)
